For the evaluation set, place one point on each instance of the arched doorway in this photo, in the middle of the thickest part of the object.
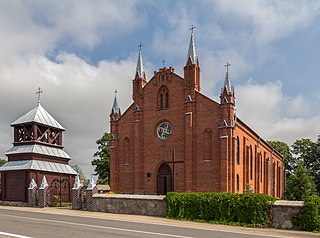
(164, 180)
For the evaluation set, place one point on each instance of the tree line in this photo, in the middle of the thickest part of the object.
(302, 165)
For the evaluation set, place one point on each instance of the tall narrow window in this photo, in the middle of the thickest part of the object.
(251, 161)
(238, 183)
(260, 167)
(167, 100)
(238, 150)
(161, 101)
(163, 98)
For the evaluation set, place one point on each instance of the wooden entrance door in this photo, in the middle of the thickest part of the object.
(164, 180)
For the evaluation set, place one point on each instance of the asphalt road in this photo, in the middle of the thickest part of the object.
(26, 222)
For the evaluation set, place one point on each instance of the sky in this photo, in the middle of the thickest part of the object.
(80, 51)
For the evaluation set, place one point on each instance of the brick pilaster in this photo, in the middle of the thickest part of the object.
(43, 193)
(32, 194)
(77, 202)
(91, 190)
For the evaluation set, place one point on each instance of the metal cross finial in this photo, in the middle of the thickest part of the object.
(227, 65)
(191, 29)
(39, 91)
(140, 45)
(115, 92)
(163, 61)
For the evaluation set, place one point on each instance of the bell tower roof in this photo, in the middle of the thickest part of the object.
(192, 55)
(38, 115)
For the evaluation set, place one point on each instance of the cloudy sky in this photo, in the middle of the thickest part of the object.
(79, 52)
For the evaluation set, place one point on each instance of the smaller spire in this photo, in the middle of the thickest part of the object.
(115, 107)
(44, 183)
(39, 91)
(192, 47)
(140, 70)
(32, 185)
(77, 183)
(91, 185)
(227, 82)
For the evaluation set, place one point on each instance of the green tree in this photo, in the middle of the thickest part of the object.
(102, 159)
(284, 150)
(78, 169)
(299, 184)
(306, 151)
(2, 162)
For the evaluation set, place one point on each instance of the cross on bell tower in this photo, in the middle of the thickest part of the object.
(38, 92)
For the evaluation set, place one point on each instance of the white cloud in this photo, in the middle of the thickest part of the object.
(39, 27)
(271, 20)
(77, 94)
(275, 116)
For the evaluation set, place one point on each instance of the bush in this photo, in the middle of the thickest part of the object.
(226, 208)
(309, 219)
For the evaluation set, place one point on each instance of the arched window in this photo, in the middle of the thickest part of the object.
(250, 162)
(207, 144)
(238, 183)
(238, 150)
(163, 98)
(126, 150)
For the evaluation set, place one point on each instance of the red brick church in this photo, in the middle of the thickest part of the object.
(174, 138)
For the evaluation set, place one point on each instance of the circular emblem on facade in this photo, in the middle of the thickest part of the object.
(164, 130)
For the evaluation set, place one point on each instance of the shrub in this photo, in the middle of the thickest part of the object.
(226, 208)
(55, 201)
(309, 219)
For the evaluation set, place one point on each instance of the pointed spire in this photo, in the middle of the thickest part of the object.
(44, 183)
(77, 183)
(192, 48)
(140, 70)
(227, 82)
(91, 185)
(32, 185)
(115, 107)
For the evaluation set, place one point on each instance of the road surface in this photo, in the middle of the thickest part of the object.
(55, 223)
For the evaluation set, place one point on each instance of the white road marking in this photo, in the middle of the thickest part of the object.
(94, 226)
(13, 235)
(180, 226)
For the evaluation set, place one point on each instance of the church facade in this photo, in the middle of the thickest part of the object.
(174, 138)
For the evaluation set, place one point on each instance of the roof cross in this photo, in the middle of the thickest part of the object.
(227, 65)
(38, 92)
(191, 29)
(140, 45)
(115, 92)
(163, 61)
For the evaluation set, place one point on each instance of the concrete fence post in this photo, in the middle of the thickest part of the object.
(43, 190)
(32, 194)
(91, 190)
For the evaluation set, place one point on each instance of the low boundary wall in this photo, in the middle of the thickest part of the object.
(150, 205)
(282, 211)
